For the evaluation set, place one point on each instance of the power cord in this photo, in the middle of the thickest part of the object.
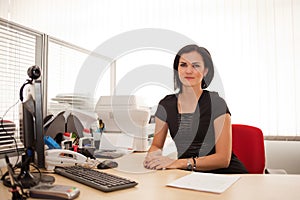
(16, 188)
(6, 133)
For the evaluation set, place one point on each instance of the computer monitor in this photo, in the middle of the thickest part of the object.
(31, 123)
(125, 114)
(32, 133)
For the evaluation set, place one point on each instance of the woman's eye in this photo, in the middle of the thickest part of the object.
(183, 65)
(196, 66)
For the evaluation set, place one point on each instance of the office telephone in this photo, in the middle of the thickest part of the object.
(63, 157)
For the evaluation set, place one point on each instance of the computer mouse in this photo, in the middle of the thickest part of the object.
(107, 164)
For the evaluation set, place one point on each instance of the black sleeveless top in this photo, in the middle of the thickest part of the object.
(193, 133)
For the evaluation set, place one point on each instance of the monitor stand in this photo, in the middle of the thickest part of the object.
(26, 178)
(29, 179)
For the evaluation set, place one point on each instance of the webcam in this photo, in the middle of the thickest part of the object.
(34, 72)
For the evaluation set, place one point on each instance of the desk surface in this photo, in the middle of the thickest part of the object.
(152, 185)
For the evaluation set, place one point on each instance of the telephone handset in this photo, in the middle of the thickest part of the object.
(63, 157)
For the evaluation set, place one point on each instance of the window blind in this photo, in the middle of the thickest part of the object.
(17, 54)
(65, 63)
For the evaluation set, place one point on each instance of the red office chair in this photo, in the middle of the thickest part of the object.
(248, 146)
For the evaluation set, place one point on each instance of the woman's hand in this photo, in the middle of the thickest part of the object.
(155, 160)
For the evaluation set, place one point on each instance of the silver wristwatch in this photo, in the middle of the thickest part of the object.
(189, 165)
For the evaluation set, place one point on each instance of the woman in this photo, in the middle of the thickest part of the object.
(198, 120)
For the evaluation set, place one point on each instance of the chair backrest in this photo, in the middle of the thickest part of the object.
(248, 146)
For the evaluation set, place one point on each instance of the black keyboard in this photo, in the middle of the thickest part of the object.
(100, 180)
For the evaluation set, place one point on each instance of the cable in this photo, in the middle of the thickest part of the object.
(17, 178)
(28, 81)
(9, 109)
(14, 183)
(3, 128)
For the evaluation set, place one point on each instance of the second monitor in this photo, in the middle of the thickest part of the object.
(125, 114)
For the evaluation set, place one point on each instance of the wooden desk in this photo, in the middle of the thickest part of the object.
(152, 186)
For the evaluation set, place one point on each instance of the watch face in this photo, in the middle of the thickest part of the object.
(189, 165)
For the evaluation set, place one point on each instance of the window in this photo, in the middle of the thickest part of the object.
(19, 50)
(17, 54)
(75, 74)
(254, 45)
(146, 73)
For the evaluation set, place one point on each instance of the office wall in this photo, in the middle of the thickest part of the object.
(257, 40)
(283, 155)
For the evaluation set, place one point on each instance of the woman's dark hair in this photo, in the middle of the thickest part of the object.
(208, 63)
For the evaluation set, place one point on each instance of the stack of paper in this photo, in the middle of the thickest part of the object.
(215, 183)
(67, 101)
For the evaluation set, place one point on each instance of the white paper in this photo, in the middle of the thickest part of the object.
(106, 143)
(114, 141)
(125, 141)
(215, 183)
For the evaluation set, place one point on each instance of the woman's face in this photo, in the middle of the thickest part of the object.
(191, 69)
